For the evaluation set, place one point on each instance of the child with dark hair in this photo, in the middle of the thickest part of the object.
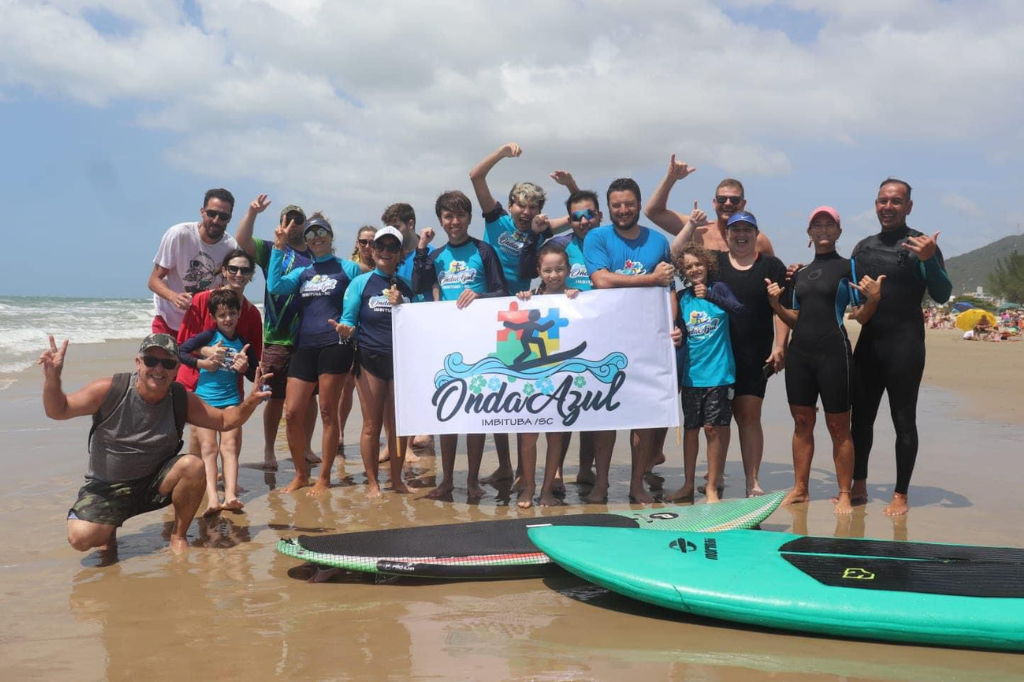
(218, 387)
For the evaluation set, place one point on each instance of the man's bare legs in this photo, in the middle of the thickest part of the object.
(746, 410)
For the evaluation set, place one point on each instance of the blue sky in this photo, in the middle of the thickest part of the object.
(116, 116)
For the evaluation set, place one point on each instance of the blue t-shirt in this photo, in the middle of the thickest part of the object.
(579, 276)
(321, 288)
(220, 387)
(369, 310)
(605, 249)
(507, 240)
(708, 360)
(470, 265)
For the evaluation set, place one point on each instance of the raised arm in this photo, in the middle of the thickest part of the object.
(478, 176)
(56, 403)
(424, 278)
(243, 234)
(278, 283)
(657, 206)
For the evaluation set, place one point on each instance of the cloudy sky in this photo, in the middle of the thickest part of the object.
(116, 116)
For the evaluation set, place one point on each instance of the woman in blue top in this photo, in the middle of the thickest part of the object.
(819, 361)
(367, 313)
(319, 359)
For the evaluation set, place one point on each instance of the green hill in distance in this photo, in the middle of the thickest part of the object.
(970, 270)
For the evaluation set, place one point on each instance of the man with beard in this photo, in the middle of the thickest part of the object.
(889, 357)
(188, 260)
(626, 254)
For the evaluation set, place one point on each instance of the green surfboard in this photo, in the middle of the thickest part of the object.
(949, 595)
(501, 548)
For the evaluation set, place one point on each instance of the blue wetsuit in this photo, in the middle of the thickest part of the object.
(321, 288)
(819, 360)
(470, 265)
(219, 388)
(579, 276)
(890, 351)
(507, 240)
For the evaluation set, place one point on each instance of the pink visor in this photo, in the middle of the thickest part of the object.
(825, 209)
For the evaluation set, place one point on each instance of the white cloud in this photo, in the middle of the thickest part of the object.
(363, 103)
(966, 207)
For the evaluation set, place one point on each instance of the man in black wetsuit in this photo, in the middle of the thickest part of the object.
(890, 351)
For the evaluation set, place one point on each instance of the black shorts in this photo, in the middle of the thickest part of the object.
(750, 380)
(706, 406)
(114, 503)
(826, 369)
(308, 364)
(380, 365)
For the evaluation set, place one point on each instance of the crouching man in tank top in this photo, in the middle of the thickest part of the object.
(134, 465)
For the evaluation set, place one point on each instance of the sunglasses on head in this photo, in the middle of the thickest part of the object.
(218, 215)
(166, 363)
(735, 201)
(316, 233)
(585, 214)
(389, 246)
(238, 269)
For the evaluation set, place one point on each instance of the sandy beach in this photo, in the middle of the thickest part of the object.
(233, 608)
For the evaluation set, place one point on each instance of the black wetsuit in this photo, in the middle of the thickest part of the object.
(819, 360)
(890, 351)
(752, 333)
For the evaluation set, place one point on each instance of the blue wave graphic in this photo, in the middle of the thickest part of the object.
(603, 370)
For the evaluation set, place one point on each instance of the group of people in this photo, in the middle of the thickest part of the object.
(327, 328)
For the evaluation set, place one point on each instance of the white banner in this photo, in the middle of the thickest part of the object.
(601, 361)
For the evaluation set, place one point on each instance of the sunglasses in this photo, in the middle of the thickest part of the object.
(316, 233)
(390, 247)
(364, 242)
(239, 269)
(735, 201)
(585, 214)
(151, 362)
(218, 215)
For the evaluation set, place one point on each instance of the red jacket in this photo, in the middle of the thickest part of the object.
(198, 319)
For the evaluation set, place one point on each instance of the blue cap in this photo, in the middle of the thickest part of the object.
(742, 217)
(315, 222)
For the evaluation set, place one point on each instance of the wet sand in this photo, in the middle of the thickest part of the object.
(234, 608)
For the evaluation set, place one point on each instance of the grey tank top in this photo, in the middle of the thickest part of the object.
(135, 440)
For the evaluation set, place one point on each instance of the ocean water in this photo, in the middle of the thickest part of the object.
(25, 323)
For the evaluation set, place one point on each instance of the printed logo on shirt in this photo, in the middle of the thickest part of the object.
(201, 273)
(458, 273)
(632, 267)
(578, 271)
(700, 325)
(380, 302)
(512, 242)
(319, 285)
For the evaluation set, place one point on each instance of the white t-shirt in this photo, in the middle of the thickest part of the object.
(192, 264)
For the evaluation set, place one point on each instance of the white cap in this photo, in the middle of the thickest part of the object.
(389, 231)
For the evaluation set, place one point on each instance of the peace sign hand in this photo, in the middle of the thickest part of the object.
(259, 204)
(52, 359)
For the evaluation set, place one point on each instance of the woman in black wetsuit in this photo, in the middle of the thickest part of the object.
(819, 361)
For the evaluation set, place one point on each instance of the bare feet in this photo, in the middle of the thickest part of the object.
(384, 455)
(411, 457)
(897, 506)
(843, 506)
(558, 487)
(599, 495)
(213, 510)
(754, 489)
(422, 443)
(341, 449)
(684, 494)
(713, 495)
(659, 459)
(440, 491)
(525, 500)
(501, 474)
(234, 505)
(703, 490)
(178, 544)
(312, 457)
(859, 493)
(585, 477)
(549, 500)
(269, 463)
(795, 496)
(475, 491)
(400, 487)
(374, 493)
(640, 496)
(319, 488)
(297, 482)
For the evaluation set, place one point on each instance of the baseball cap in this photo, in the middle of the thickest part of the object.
(317, 222)
(742, 217)
(164, 341)
(292, 208)
(825, 209)
(388, 231)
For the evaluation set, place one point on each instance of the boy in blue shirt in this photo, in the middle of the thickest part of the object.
(626, 254)
(462, 270)
(219, 385)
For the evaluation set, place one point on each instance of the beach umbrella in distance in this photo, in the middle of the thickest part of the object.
(1008, 306)
(962, 306)
(969, 319)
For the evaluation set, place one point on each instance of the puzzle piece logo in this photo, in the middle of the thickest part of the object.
(632, 267)
(539, 330)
